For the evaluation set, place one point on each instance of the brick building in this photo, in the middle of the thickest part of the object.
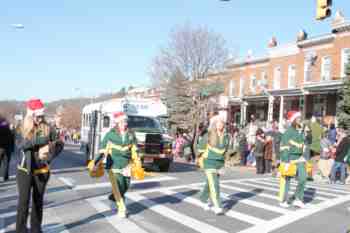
(303, 75)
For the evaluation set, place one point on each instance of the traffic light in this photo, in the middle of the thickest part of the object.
(323, 9)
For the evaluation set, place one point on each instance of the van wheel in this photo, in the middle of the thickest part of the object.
(163, 165)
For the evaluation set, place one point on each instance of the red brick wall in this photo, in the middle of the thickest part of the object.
(332, 49)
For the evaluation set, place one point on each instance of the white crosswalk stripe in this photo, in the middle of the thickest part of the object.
(253, 203)
(260, 194)
(108, 184)
(122, 225)
(175, 215)
(308, 185)
(233, 214)
(318, 185)
(293, 186)
(275, 189)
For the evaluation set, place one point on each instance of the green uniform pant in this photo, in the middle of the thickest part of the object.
(120, 185)
(285, 184)
(211, 189)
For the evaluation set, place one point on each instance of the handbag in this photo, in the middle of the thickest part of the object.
(137, 171)
(99, 172)
(288, 169)
(309, 166)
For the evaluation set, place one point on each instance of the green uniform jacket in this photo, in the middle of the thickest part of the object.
(215, 155)
(202, 143)
(292, 143)
(118, 147)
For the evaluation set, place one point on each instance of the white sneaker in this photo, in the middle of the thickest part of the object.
(218, 211)
(284, 204)
(122, 215)
(298, 203)
(207, 207)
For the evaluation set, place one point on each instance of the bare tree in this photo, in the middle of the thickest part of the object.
(192, 53)
(71, 117)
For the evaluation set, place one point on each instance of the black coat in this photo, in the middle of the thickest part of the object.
(342, 149)
(29, 151)
(7, 139)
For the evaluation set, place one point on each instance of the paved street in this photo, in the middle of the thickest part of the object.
(168, 202)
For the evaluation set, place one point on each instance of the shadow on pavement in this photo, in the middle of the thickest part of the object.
(136, 208)
(54, 204)
(146, 185)
(235, 198)
(59, 227)
(178, 167)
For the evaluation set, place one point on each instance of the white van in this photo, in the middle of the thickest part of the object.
(154, 145)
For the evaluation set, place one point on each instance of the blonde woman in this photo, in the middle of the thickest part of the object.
(119, 148)
(33, 170)
(216, 146)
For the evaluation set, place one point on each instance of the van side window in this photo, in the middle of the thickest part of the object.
(106, 122)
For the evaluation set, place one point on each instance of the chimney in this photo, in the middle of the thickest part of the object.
(338, 18)
(339, 23)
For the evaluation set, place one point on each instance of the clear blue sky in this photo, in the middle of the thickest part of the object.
(103, 45)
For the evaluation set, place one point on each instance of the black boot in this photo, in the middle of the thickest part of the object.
(111, 197)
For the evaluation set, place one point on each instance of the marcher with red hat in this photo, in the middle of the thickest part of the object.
(118, 148)
(33, 170)
(292, 161)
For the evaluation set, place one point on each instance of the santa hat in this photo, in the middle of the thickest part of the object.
(119, 116)
(35, 107)
(292, 115)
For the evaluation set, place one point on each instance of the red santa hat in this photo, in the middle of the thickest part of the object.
(119, 116)
(35, 107)
(292, 115)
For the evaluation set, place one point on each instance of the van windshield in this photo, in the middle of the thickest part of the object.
(143, 122)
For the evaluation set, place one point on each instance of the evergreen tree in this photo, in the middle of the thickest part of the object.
(343, 107)
(179, 102)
